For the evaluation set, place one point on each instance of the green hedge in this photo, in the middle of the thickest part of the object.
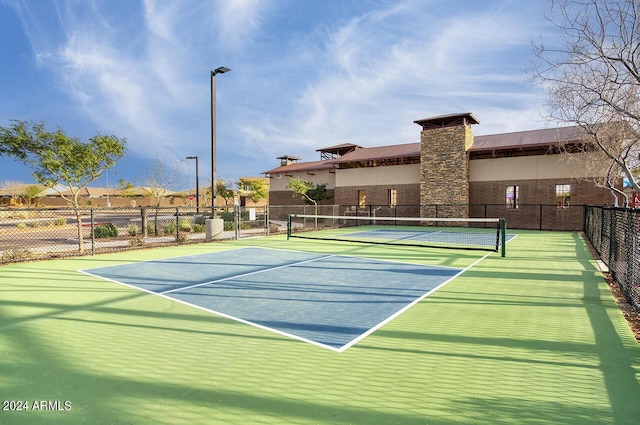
(108, 230)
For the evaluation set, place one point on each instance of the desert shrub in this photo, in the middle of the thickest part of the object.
(199, 228)
(60, 222)
(107, 230)
(185, 225)
(21, 226)
(136, 242)
(169, 228)
(15, 255)
(132, 230)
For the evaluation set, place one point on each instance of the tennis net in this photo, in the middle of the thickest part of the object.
(459, 233)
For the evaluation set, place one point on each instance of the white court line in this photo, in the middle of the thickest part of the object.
(246, 274)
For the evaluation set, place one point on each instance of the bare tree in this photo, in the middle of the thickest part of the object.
(158, 181)
(593, 79)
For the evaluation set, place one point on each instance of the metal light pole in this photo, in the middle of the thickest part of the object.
(220, 70)
(197, 185)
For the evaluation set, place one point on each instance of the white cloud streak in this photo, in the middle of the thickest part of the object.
(361, 73)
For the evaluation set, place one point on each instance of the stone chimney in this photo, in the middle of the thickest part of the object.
(444, 164)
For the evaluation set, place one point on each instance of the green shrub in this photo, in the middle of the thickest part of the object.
(185, 225)
(199, 228)
(60, 222)
(169, 228)
(228, 216)
(21, 226)
(108, 230)
(229, 225)
(33, 224)
(132, 230)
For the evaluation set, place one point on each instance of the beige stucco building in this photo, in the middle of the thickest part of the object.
(450, 172)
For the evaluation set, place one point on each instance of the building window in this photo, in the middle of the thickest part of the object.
(512, 196)
(393, 197)
(563, 195)
(362, 198)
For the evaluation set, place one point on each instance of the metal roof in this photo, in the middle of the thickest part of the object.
(339, 147)
(301, 166)
(532, 138)
(516, 140)
(381, 152)
(447, 120)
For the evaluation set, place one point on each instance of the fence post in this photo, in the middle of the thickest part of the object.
(540, 225)
(237, 217)
(93, 232)
(177, 226)
(144, 222)
(503, 233)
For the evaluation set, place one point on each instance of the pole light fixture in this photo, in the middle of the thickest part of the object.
(220, 70)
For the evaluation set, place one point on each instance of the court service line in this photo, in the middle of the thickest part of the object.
(246, 274)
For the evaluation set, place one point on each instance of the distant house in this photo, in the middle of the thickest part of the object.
(16, 194)
(450, 172)
(138, 196)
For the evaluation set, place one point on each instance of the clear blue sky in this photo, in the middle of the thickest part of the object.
(306, 74)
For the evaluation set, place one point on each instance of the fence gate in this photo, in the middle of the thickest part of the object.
(251, 221)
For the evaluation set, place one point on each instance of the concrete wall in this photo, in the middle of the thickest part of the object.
(388, 175)
(319, 177)
(527, 168)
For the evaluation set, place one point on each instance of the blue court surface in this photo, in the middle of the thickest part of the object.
(332, 301)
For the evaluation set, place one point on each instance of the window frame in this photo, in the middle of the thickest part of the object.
(512, 202)
(362, 198)
(563, 196)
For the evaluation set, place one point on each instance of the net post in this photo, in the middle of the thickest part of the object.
(288, 226)
(503, 237)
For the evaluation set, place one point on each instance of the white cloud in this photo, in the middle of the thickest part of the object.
(141, 70)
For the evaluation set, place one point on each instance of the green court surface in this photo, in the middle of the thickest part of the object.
(533, 338)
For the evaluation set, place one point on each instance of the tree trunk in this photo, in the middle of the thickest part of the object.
(79, 224)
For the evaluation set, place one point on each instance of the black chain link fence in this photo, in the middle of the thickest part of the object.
(530, 216)
(615, 235)
(37, 234)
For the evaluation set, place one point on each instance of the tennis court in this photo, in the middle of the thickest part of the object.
(274, 331)
(316, 298)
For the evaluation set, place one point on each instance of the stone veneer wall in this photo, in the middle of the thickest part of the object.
(444, 168)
